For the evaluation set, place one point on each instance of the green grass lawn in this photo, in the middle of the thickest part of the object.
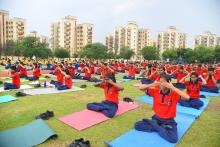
(204, 132)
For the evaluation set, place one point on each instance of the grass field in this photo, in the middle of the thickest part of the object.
(204, 132)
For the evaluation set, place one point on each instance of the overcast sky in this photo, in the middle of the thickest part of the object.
(190, 16)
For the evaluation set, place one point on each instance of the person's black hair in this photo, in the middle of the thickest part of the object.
(111, 76)
(194, 74)
(67, 71)
(166, 77)
(210, 69)
(13, 68)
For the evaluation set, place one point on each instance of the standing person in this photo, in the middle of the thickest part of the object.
(165, 99)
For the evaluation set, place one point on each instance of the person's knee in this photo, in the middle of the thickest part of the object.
(89, 106)
(200, 103)
(173, 139)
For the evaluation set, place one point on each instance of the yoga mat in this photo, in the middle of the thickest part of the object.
(7, 98)
(137, 84)
(49, 90)
(134, 138)
(28, 135)
(209, 94)
(181, 109)
(87, 118)
(123, 80)
(49, 75)
(22, 87)
(78, 80)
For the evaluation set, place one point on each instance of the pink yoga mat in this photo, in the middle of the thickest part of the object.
(137, 84)
(87, 118)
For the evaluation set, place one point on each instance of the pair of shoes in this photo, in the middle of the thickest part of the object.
(47, 77)
(127, 99)
(45, 116)
(83, 86)
(20, 94)
(79, 143)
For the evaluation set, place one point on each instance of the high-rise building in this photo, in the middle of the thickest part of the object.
(218, 41)
(40, 38)
(109, 42)
(143, 39)
(130, 36)
(64, 34)
(16, 29)
(84, 35)
(207, 39)
(171, 39)
(67, 34)
(3, 18)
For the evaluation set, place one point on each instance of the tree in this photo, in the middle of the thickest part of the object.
(204, 54)
(30, 46)
(94, 51)
(61, 53)
(189, 55)
(217, 53)
(112, 55)
(171, 54)
(150, 53)
(126, 53)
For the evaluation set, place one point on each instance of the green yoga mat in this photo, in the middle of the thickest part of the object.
(28, 135)
(7, 98)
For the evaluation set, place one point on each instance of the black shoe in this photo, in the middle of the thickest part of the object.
(127, 99)
(1, 82)
(50, 113)
(37, 85)
(20, 94)
(79, 140)
(83, 86)
(202, 96)
(47, 77)
(86, 143)
(43, 116)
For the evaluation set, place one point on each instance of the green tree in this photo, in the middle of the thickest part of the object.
(171, 54)
(30, 46)
(204, 54)
(217, 53)
(112, 55)
(94, 51)
(150, 53)
(189, 55)
(126, 53)
(61, 53)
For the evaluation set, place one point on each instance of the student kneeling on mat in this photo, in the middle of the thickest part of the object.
(108, 107)
(36, 73)
(165, 97)
(193, 90)
(68, 81)
(15, 79)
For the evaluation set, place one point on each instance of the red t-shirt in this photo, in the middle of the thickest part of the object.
(87, 73)
(210, 82)
(36, 72)
(72, 71)
(16, 79)
(68, 82)
(60, 77)
(179, 76)
(131, 72)
(164, 108)
(111, 94)
(23, 70)
(193, 90)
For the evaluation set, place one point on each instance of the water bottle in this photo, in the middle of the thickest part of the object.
(45, 84)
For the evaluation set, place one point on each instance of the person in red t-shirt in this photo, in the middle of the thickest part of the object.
(36, 73)
(108, 107)
(68, 81)
(179, 74)
(23, 70)
(60, 77)
(211, 82)
(165, 99)
(193, 87)
(15, 79)
(131, 73)
(152, 75)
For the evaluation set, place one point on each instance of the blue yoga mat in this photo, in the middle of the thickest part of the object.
(136, 138)
(209, 94)
(26, 136)
(7, 98)
(186, 110)
(124, 80)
